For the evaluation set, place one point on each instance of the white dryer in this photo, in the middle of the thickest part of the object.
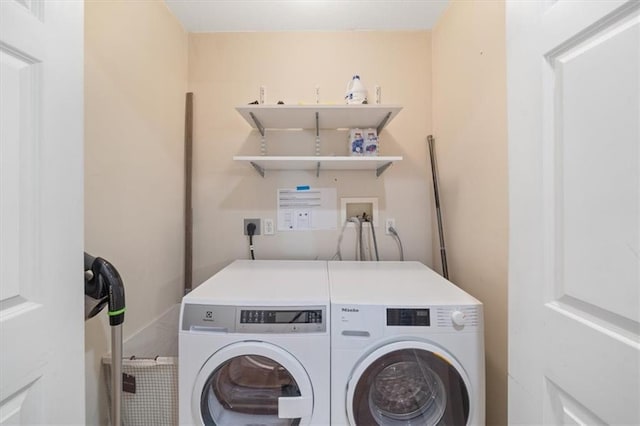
(407, 347)
(254, 346)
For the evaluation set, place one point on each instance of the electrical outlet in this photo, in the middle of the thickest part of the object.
(268, 227)
(389, 223)
(254, 221)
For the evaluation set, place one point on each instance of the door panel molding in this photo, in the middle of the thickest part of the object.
(616, 327)
(587, 239)
(19, 182)
(562, 408)
(34, 6)
(12, 407)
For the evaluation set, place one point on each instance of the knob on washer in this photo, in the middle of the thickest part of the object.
(458, 318)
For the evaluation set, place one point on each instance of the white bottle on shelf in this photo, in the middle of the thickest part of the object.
(356, 92)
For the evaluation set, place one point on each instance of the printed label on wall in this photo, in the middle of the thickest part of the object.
(307, 209)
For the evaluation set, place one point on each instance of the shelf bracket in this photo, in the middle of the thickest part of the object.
(259, 169)
(263, 145)
(317, 134)
(318, 169)
(380, 170)
(382, 123)
(258, 124)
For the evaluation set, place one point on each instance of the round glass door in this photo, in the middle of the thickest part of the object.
(254, 384)
(408, 386)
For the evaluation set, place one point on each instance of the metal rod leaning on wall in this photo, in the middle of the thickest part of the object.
(188, 210)
(116, 374)
(436, 194)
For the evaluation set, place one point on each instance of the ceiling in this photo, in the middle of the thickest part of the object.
(306, 15)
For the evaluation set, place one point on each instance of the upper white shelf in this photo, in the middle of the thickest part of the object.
(317, 163)
(328, 116)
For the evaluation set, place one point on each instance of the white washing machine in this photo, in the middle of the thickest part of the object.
(254, 346)
(407, 347)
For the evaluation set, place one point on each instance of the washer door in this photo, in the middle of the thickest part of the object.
(249, 383)
(408, 383)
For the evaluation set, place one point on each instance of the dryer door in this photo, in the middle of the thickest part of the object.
(249, 383)
(408, 383)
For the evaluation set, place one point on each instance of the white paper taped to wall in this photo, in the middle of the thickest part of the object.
(306, 209)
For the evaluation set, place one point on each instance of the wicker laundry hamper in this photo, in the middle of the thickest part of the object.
(150, 390)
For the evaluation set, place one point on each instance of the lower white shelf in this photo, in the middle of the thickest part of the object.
(317, 163)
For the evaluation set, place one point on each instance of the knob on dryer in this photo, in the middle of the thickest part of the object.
(458, 318)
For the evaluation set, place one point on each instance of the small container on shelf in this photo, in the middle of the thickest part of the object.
(371, 145)
(356, 142)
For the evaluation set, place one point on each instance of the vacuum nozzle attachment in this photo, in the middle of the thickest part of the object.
(103, 284)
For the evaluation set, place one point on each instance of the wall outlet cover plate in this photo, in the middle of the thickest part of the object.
(247, 222)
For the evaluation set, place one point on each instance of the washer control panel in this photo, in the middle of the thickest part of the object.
(254, 319)
(408, 317)
(436, 317)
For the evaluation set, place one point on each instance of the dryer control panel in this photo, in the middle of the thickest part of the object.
(254, 319)
(285, 316)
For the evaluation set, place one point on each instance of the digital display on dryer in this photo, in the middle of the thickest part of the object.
(280, 317)
(408, 317)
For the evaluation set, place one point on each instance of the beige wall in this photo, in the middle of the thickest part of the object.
(469, 119)
(135, 81)
(227, 69)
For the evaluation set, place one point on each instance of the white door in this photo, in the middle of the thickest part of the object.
(574, 176)
(41, 212)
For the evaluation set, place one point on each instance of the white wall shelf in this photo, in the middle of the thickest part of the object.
(317, 163)
(329, 116)
(284, 117)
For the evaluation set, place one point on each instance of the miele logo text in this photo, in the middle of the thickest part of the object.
(350, 310)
